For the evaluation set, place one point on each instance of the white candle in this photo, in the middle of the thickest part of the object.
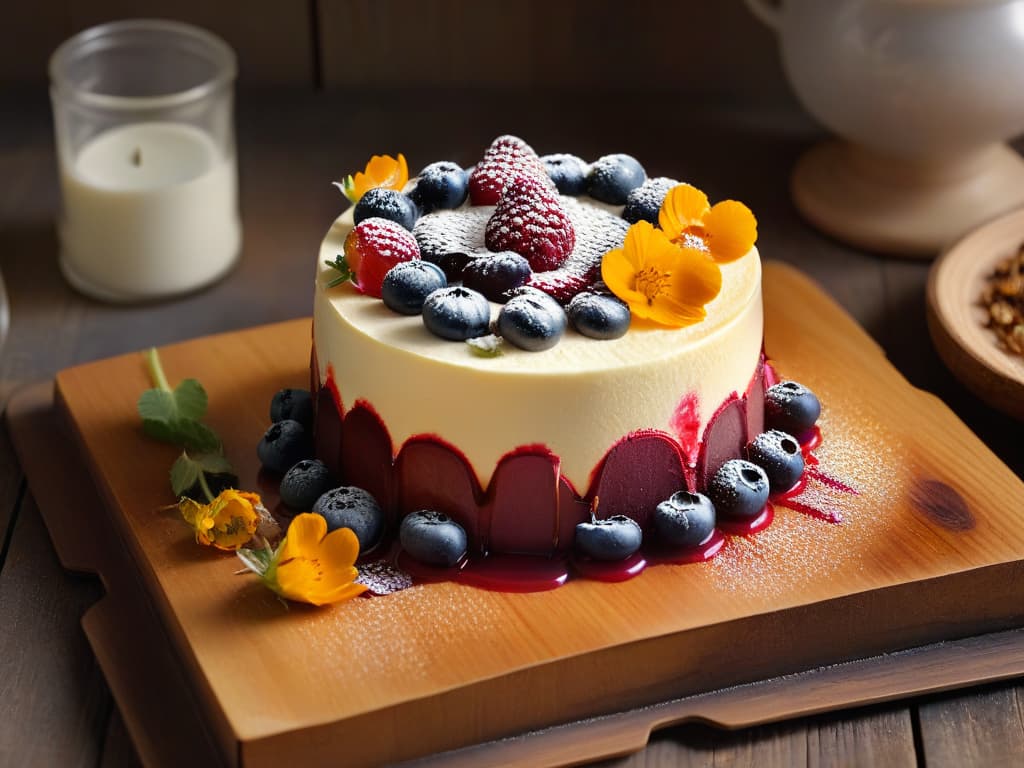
(150, 209)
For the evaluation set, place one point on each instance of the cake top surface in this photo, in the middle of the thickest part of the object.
(645, 343)
(540, 265)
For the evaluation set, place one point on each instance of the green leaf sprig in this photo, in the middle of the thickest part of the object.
(345, 272)
(175, 416)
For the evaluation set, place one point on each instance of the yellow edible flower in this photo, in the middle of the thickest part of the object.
(728, 229)
(227, 522)
(309, 565)
(382, 171)
(661, 281)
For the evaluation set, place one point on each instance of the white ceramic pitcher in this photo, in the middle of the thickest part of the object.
(925, 93)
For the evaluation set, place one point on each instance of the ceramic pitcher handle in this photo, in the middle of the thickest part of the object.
(768, 11)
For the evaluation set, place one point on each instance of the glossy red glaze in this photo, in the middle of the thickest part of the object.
(602, 570)
(515, 573)
(659, 555)
(748, 526)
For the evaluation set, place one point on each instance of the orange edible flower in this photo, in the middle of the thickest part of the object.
(382, 171)
(309, 565)
(227, 522)
(660, 280)
(728, 229)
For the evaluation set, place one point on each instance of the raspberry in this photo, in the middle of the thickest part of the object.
(506, 158)
(561, 284)
(600, 232)
(530, 220)
(373, 247)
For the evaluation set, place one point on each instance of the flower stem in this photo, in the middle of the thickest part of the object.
(156, 370)
(205, 487)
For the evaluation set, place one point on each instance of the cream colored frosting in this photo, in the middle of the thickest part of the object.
(578, 398)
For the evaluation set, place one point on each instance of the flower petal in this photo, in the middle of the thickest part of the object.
(619, 275)
(300, 577)
(731, 230)
(696, 279)
(672, 314)
(313, 581)
(303, 537)
(340, 548)
(685, 206)
(382, 171)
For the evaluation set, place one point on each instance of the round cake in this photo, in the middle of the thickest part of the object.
(520, 447)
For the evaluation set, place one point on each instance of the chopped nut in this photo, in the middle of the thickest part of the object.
(1001, 313)
(1003, 299)
(1015, 339)
(1011, 286)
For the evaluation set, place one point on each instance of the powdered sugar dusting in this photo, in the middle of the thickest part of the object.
(598, 229)
(458, 231)
(378, 639)
(798, 550)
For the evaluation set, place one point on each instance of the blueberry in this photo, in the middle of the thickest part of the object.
(685, 519)
(791, 407)
(495, 274)
(532, 321)
(779, 455)
(408, 283)
(350, 507)
(442, 185)
(285, 443)
(739, 489)
(568, 172)
(433, 538)
(613, 538)
(296, 404)
(598, 316)
(386, 204)
(644, 202)
(613, 177)
(304, 483)
(457, 313)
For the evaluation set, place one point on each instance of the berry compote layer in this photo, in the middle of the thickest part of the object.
(516, 447)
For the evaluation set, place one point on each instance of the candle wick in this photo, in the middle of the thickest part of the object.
(137, 156)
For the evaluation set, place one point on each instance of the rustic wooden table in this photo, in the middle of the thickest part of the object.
(55, 708)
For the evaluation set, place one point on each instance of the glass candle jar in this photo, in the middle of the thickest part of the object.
(143, 114)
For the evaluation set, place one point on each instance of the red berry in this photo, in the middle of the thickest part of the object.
(530, 220)
(507, 157)
(560, 284)
(373, 247)
(600, 232)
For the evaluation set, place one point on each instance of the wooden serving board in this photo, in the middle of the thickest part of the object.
(931, 549)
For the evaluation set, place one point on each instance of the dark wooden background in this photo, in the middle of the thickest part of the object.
(694, 88)
(698, 49)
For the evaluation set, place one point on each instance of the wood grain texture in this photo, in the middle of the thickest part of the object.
(986, 728)
(135, 663)
(575, 44)
(779, 615)
(53, 699)
(272, 38)
(878, 737)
